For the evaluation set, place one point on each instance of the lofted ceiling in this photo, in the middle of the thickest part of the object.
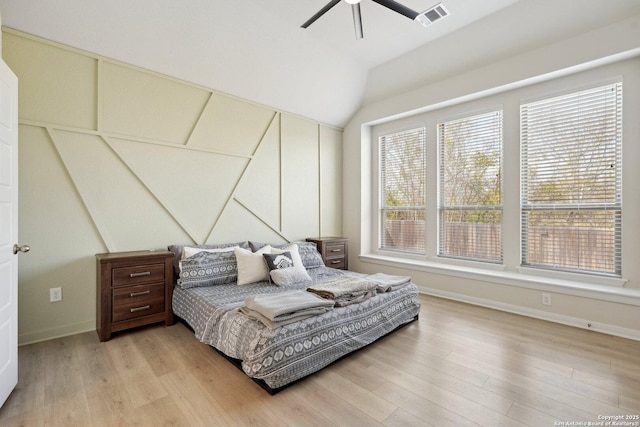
(256, 50)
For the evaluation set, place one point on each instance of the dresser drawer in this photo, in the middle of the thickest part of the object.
(137, 301)
(335, 250)
(338, 263)
(140, 294)
(138, 274)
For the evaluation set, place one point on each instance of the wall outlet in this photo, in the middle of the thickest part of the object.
(55, 294)
(546, 298)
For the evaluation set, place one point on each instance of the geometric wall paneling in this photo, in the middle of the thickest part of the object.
(300, 176)
(124, 211)
(144, 105)
(55, 85)
(230, 125)
(63, 239)
(330, 181)
(238, 222)
(192, 185)
(260, 185)
(116, 158)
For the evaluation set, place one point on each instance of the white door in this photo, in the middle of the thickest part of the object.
(8, 231)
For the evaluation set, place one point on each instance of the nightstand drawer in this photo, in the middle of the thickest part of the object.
(138, 274)
(335, 250)
(338, 263)
(140, 294)
(133, 311)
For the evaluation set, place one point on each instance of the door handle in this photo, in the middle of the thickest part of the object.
(23, 249)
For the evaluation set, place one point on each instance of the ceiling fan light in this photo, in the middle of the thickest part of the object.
(352, 1)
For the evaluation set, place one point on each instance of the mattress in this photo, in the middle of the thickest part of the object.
(285, 354)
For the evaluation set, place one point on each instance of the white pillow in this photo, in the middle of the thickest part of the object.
(189, 251)
(295, 254)
(251, 265)
(289, 276)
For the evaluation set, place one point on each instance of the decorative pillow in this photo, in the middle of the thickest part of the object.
(309, 254)
(295, 254)
(189, 251)
(279, 260)
(208, 269)
(177, 250)
(289, 276)
(251, 265)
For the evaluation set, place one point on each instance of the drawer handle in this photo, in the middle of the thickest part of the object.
(336, 262)
(144, 307)
(336, 250)
(144, 273)
(137, 294)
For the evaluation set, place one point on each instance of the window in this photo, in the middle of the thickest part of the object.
(402, 191)
(571, 181)
(470, 199)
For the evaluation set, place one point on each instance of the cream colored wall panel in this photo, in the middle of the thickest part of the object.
(127, 215)
(238, 223)
(260, 185)
(300, 182)
(330, 181)
(192, 185)
(140, 104)
(55, 85)
(231, 125)
(63, 239)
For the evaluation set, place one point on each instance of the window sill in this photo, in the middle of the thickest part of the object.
(600, 288)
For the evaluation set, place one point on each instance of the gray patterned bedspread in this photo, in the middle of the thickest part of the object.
(285, 354)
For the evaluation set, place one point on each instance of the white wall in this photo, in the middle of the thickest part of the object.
(607, 308)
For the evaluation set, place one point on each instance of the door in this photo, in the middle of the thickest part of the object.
(8, 231)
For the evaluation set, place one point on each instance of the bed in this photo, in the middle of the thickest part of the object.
(213, 306)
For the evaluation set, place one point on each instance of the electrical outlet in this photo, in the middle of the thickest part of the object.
(546, 298)
(55, 294)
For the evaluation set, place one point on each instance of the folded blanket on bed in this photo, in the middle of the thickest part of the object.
(278, 309)
(345, 290)
(387, 282)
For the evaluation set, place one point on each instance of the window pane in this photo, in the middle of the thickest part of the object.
(471, 187)
(573, 239)
(402, 195)
(571, 173)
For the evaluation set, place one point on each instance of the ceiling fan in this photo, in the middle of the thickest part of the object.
(425, 18)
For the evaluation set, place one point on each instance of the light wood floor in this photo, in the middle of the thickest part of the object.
(459, 365)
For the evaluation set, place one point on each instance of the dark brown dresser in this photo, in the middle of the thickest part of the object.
(134, 289)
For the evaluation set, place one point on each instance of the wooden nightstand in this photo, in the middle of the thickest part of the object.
(134, 289)
(334, 251)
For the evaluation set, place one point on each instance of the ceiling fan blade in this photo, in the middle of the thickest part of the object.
(357, 20)
(321, 12)
(397, 7)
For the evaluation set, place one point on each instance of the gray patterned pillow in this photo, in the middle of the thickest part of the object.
(311, 258)
(178, 249)
(208, 269)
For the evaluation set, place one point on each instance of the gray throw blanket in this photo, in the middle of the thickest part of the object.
(387, 282)
(281, 308)
(345, 290)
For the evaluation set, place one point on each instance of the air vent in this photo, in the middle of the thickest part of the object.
(432, 15)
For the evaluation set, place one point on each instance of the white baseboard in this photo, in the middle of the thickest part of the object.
(59, 332)
(604, 328)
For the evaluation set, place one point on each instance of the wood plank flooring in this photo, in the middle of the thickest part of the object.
(459, 365)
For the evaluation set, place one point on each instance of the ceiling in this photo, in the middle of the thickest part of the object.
(256, 50)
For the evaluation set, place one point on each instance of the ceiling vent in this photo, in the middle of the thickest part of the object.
(432, 15)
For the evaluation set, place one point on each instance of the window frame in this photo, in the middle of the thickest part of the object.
(527, 207)
(441, 197)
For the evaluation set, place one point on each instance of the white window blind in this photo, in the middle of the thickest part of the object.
(571, 181)
(470, 202)
(402, 191)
